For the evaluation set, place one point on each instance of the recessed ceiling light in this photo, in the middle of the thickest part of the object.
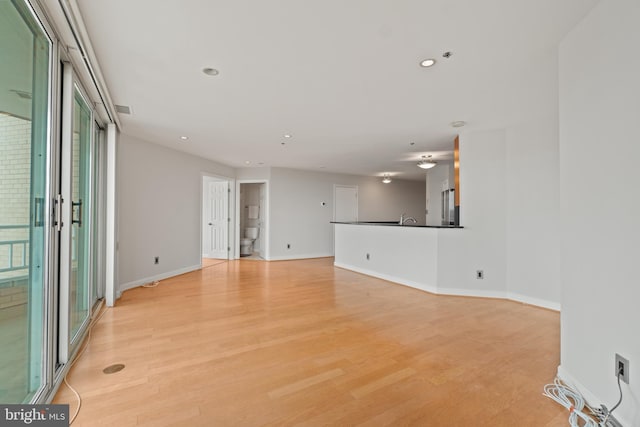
(286, 135)
(210, 71)
(386, 178)
(426, 63)
(184, 138)
(458, 123)
(247, 162)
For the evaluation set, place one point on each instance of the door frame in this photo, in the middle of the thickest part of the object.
(231, 243)
(265, 228)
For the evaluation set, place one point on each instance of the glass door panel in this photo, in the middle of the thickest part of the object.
(24, 105)
(75, 234)
(80, 213)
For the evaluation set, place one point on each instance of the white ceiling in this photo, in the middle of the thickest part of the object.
(340, 76)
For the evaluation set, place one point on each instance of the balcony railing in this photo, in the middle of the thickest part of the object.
(13, 251)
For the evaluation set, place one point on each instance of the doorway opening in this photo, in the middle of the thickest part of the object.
(252, 220)
(216, 220)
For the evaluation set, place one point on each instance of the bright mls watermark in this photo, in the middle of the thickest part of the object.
(34, 415)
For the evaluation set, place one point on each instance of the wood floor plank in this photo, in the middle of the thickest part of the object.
(303, 343)
(305, 383)
(382, 382)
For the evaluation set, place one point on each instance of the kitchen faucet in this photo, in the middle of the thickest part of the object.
(404, 220)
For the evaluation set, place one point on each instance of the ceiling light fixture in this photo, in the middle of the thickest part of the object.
(426, 162)
(184, 138)
(386, 178)
(210, 71)
(286, 135)
(426, 63)
(458, 123)
(247, 162)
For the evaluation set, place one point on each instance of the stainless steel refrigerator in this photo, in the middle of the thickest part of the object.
(448, 207)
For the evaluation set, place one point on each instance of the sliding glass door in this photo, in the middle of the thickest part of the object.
(77, 293)
(24, 128)
(80, 213)
(51, 202)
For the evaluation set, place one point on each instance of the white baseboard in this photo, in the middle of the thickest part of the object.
(538, 302)
(410, 283)
(151, 279)
(589, 397)
(479, 293)
(302, 256)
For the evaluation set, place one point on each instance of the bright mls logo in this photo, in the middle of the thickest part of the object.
(34, 415)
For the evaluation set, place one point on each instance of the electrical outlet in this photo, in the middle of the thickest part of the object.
(368, 257)
(479, 274)
(622, 368)
(156, 260)
(288, 245)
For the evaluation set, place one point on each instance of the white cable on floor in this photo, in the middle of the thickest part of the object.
(570, 399)
(97, 315)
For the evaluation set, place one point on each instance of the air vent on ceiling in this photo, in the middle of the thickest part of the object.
(123, 109)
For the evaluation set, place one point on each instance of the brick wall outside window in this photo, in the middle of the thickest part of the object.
(15, 171)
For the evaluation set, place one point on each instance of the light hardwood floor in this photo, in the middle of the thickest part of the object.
(304, 343)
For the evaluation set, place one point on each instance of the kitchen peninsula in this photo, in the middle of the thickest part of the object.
(405, 254)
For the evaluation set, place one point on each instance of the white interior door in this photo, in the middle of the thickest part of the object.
(215, 242)
(345, 203)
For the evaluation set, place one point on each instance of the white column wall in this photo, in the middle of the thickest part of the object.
(599, 111)
(481, 244)
(533, 212)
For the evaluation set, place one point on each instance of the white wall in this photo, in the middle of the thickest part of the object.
(533, 210)
(298, 218)
(386, 202)
(599, 111)
(159, 210)
(509, 211)
(481, 244)
(407, 255)
(509, 203)
(253, 173)
(532, 185)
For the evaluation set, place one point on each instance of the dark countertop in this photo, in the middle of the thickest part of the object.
(395, 224)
